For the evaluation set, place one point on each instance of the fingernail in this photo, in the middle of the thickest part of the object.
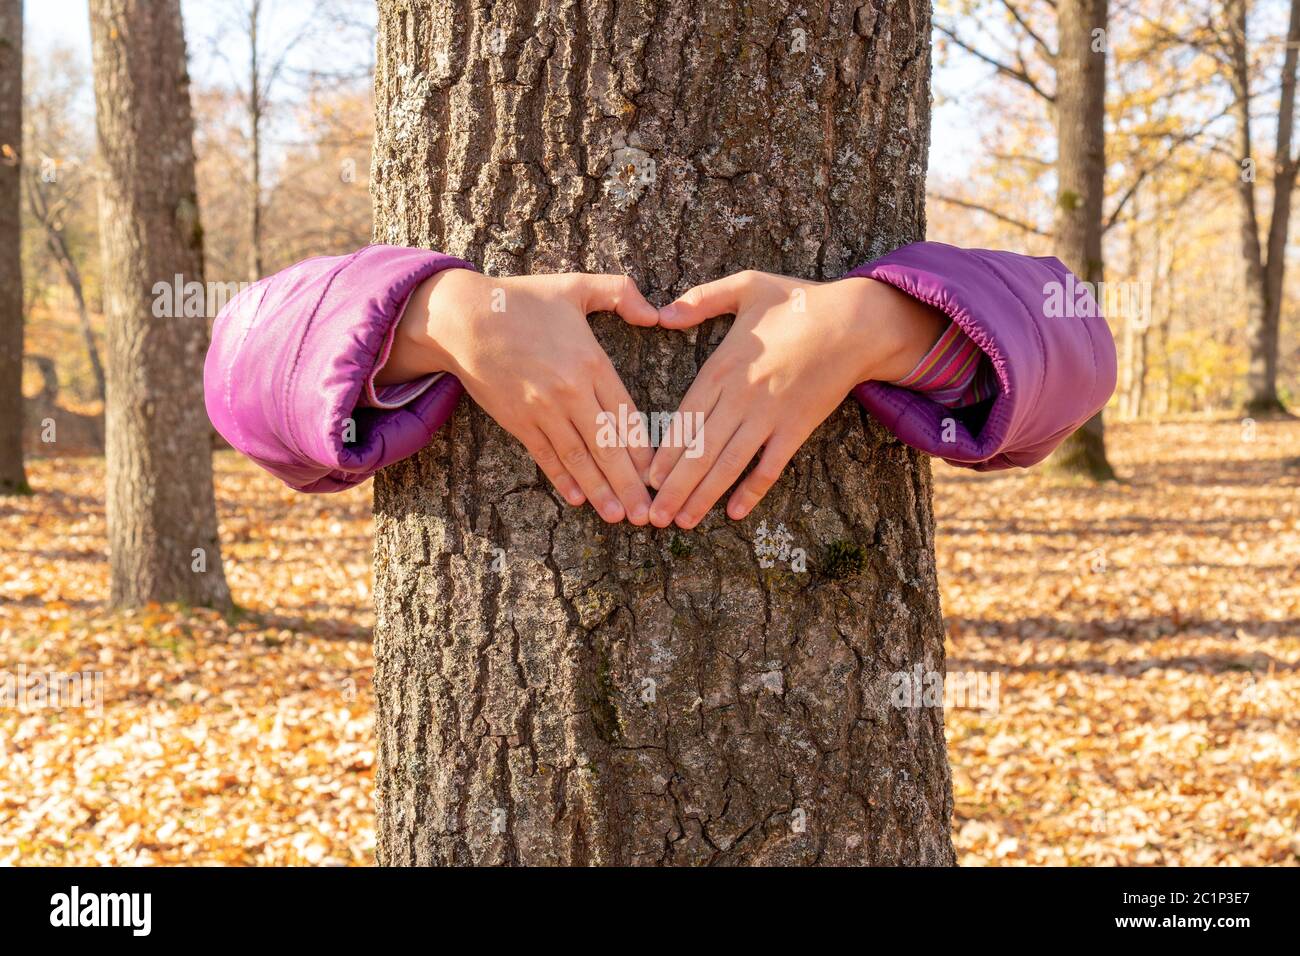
(737, 511)
(659, 517)
(575, 497)
(640, 512)
(611, 511)
(668, 313)
(685, 522)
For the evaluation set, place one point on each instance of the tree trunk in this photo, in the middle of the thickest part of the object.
(1133, 324)
(162, 525)
(1080, 110)
(63, 255)
(1163, 317)
(13, 477)
(553, 690)
(1264, 315)
(1167, 317)
(255, 266)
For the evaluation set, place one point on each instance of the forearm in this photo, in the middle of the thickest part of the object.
(896, 330)
(415, 350)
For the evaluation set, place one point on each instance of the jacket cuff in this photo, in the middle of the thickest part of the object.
(1053, 373)
(395, 396)
(345, 345)
(290, 371)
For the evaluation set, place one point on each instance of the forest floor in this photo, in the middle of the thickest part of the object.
(1145, 637)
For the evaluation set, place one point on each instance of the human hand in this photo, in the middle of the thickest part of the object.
(524, 351)
(795, 350)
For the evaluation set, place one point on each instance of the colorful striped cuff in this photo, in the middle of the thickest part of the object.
(954, 373)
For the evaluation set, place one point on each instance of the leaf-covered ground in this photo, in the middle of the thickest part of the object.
(1145, 638)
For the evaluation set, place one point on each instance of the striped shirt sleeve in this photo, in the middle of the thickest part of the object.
(954, 373)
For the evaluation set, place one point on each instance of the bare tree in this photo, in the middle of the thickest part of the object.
(273, 37)
(49, 218)
(554, 690)
(13, 477)
(1265, 265)
(55, 176)
(1080, 115)
(1070, 79)
(162, 525)
(255, 103)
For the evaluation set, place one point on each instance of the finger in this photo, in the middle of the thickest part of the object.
(543, 452)
(614, 398)
(685, 427)
(577, 461)
(704, 302)
(731, 463)
(694, 464)
(775, 457)
(613, 460)
(618, 294)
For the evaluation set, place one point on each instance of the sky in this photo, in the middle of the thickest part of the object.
(67, 23)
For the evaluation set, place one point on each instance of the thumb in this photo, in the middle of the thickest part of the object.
(704, 302)
(619, 294)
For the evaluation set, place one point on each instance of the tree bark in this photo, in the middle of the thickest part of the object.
(553, 690)
(13, 477)
(1080, 111)
(162, 525)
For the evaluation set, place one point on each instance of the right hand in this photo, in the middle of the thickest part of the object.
(524, 351)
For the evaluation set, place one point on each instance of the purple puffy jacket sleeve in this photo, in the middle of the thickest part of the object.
(1048, 342)
(291, 363)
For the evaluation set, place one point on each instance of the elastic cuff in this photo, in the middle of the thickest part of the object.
(395, 396)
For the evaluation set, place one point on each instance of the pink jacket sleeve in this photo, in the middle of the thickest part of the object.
(1051, 350)
(288, 376)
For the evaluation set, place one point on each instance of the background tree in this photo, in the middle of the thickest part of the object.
(1053, 49)
(59, 148)
(1265, 265)
(161, 514)
(552, 689)
(50, 219)
(1166, 123)
(1174, 129)
(270, 37)
(13, 477)
(317, 200)
(1080, 114)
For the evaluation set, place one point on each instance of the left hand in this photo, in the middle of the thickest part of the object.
(796, 349)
